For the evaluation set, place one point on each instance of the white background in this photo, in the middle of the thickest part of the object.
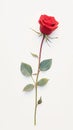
(16, 42)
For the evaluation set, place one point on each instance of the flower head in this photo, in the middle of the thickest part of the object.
(47, 24)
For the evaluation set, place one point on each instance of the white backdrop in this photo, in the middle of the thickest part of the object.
(16, 42)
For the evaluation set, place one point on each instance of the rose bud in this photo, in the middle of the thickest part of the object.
(47, 24)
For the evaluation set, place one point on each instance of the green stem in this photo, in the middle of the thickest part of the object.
(39, 59)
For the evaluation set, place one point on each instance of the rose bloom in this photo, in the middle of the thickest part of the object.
(47, 24)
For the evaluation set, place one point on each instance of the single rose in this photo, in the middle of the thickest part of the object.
(47, 24)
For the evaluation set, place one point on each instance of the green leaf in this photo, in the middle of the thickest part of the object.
(34, 55)
(42, 82)
(26, 69)
(28, 87)
(45, 64)
(40, 101)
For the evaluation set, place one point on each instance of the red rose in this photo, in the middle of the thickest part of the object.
(47, 24)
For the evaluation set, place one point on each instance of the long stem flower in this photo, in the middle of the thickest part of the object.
(47, 25)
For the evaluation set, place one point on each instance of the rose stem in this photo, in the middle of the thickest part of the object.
(39, 59)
